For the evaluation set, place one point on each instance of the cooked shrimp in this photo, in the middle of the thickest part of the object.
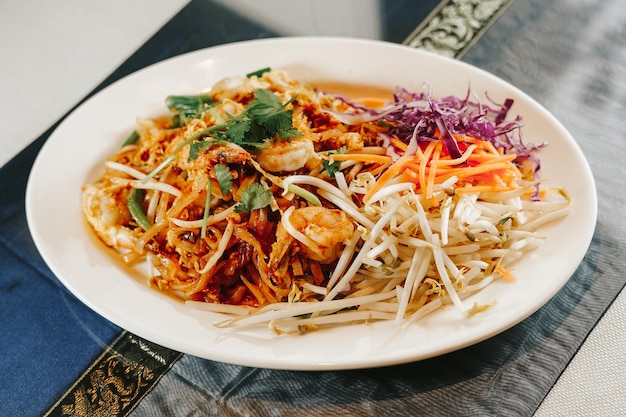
(320, 232)
(106, 213)
(286, 155)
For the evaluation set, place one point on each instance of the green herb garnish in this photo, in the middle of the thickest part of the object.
(224, 178)
(207, 207)
(258, 73)
(305, 194)
(254, 197)
(131, 139)
(332, 167)
(188, 107)
(504, 220)
(264, 118)
(135, 206)
(196, 148)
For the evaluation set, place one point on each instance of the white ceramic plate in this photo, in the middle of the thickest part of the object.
(74, 153)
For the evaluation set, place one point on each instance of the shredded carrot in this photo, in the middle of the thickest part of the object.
(486, 157)
(481, 165)
(371, 102)
(432, 172)
(463, 158)
(426, 155)
(393, 170)
(377, 170)
(479, 169)
(399, 144)
(492, 149)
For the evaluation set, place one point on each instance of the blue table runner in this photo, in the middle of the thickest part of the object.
(53, 348)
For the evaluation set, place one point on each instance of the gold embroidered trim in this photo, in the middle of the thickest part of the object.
(117, 380)
(455, 25)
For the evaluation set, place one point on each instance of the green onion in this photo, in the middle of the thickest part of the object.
(258, 73)
(188, 104)
(135, 206)
(307, 195)
(207, 206)
(131, 139)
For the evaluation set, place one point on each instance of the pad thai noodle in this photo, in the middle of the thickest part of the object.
(285, 206)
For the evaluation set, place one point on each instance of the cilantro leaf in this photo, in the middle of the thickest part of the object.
(289, 133)
(332, 167)
(224, 178)
(236, 132)
(277, 121)
(254, 197)
(265, 100)
(269, 113)
(264, 118)
(188, 107)
(196, 148)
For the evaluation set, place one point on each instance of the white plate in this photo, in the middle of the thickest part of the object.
(74, 153)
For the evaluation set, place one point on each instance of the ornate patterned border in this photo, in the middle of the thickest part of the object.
(454, 25)
(117, 380)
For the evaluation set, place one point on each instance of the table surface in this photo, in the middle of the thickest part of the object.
(566, 359)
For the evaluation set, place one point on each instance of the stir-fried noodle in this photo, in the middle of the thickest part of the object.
(294, 208)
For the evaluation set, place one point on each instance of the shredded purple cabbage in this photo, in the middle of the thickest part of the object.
(417, 116)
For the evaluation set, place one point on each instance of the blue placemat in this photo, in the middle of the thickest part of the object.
(53, 349)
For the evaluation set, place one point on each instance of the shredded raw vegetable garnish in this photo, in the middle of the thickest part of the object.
(288, 207)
